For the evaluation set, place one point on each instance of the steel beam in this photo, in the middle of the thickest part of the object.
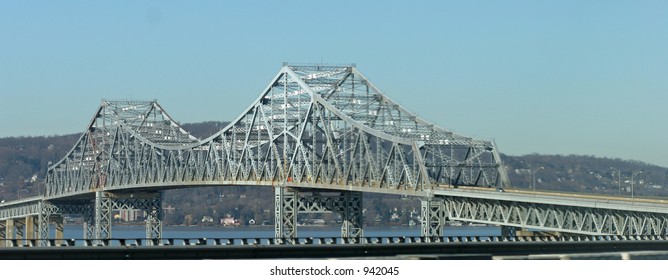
(352, 215)
(154, 218)
(347, 204)
(432, 217)
(102, 215)
(285, 212)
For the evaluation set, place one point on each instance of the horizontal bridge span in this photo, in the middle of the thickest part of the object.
(562, 199)
(584, 214)
(371, 188)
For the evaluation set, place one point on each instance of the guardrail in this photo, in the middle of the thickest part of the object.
(134, 242)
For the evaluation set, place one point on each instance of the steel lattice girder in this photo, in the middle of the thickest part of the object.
(21, 209)
(114, 139)
(432, 217)
(103, 208)
(573, 219)
(346, 203)
(291, 202)
(323, 127)
(285, 213)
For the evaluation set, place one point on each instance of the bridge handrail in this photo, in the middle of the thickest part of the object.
(265, 241)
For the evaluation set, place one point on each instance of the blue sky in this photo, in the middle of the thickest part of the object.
(549, 77)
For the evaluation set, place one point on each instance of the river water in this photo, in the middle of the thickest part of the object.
(138, 231)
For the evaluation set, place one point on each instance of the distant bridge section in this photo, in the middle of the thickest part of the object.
(568, 213)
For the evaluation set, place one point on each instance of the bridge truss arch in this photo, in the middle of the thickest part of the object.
(313, 126)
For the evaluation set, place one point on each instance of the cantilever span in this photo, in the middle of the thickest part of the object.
(324, 127)
(321, 136)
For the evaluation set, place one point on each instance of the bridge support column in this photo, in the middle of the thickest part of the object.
(19, 226)
(154, 218)
(433, 217)
(285, 212)
(352, 215)
(42, 229)
(30, 228)
(3, 232)
(42, 223)
(9, 232)
(97, 220)
(60, 227)
(89, 223)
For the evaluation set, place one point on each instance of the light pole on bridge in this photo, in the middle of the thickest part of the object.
(632, 176)
(619, 180)
(533, 177)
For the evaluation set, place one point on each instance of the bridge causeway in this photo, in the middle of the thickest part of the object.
(321, 136)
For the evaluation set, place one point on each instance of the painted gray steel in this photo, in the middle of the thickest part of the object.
(321, 135)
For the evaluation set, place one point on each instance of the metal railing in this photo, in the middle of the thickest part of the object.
(134, 242)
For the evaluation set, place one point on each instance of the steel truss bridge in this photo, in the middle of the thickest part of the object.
(321, 136)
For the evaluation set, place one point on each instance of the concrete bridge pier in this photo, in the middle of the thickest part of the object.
(432, 216)
(21, 229)
(30, 228)
(6, 232)
(58, 221)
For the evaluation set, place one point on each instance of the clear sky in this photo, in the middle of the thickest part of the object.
(548, 77)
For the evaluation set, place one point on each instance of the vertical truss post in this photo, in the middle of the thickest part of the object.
(89, 223)
(43, 224)
(102, 215)
(502, 178)
(352, 215)
(433, 217)
(154, 218)
(42, 228)
(285, 212)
